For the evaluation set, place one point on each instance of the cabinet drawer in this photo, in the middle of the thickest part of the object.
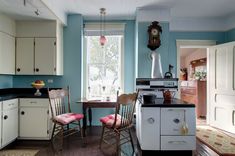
(10, 104)
(188, 90)
(178, 142)
(34, 102)
(189, 98)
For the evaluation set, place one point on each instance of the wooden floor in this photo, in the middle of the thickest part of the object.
(72, 146)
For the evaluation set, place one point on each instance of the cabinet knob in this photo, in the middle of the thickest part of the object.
(22, 113)
(5, 117)
(18, 69)
(37, 70)
(176, 121)
(151, 120)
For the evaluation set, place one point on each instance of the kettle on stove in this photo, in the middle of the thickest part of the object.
(168, 95)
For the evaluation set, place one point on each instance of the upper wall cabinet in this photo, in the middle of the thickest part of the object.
(7, 45)
(39, 48)
(7, 54)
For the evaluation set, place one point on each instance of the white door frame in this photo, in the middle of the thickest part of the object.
(194, 44)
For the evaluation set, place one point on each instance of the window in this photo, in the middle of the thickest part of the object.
(103, 66)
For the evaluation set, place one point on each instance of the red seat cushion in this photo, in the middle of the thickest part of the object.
(109, 120)
(68, 117)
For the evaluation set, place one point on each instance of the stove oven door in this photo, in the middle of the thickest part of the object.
(178, 121)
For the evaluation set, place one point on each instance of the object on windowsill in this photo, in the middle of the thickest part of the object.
(38, 84)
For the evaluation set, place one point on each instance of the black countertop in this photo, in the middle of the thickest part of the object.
(159, 102)
(12, 93)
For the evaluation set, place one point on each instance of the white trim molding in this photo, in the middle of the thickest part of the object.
(191, 44)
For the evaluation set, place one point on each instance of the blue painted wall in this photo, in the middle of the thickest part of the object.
(144, 60)
(6, 81)
(167, 49)
(230, 35)
(129, 56)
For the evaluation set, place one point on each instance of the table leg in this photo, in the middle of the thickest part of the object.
(90, 115)
(84, 121)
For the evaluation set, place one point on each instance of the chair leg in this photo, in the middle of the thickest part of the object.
(102, 135)
(61, 135)
(53, 131)
(117, 143)
(81, 133)
(132, 144)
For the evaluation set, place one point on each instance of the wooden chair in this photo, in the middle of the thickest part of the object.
(62, 116)
(120, 123)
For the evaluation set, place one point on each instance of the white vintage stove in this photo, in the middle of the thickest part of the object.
(164, 125)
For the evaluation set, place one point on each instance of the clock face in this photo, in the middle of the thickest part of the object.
(154, 32)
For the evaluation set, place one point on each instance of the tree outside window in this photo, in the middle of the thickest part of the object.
(103, 67)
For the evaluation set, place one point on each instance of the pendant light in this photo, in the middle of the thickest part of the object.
(102, 26)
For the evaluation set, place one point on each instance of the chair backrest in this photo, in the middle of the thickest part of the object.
(59, 101)
(125, 108)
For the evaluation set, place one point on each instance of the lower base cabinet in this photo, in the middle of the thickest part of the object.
(8, 122)
(34, 119)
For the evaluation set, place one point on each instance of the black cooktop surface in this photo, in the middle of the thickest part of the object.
(160, 102)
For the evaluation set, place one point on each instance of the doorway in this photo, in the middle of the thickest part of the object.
(193, 79)
(192, 73)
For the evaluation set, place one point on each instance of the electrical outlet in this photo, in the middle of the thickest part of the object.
(50, 80)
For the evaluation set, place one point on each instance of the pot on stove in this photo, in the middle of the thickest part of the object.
(149, 99)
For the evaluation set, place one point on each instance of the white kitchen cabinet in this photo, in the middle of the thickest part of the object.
(45, 56)
(25, 56)
(9, 121)
(7, 54)
(36, 56)
(34, 119)
(39, 48)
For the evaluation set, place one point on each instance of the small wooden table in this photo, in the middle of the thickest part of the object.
(93, 104)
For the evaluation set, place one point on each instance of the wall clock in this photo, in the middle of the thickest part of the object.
(154, 31)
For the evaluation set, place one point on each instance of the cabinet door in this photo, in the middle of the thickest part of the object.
(173, 119)
(33, 122)
(7, 54)
(45, 56)
(150, 129)
(9, 126)
(24, 56)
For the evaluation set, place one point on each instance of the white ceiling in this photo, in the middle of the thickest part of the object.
(117, 9)
(184, 52)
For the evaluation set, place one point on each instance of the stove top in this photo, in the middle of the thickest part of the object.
(160, 102)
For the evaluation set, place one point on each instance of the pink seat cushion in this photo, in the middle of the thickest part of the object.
(109, 120)
(68, 117)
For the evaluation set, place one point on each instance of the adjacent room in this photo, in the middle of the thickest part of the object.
(123, 78)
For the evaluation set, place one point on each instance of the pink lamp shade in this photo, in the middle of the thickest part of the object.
(102, 40)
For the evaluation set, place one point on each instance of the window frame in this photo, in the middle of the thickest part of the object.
(85, 65)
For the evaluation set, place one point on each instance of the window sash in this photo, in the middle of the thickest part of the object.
(86, 65)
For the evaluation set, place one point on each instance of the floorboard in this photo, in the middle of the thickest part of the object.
(73, 146)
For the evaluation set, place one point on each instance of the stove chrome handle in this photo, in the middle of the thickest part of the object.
(177, 142)
(151, 120)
